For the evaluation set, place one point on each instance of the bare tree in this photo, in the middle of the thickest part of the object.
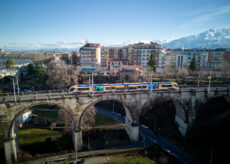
(88, 121)
(66, 120)
(61, 76)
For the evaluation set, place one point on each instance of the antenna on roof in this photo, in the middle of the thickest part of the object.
(86, 41)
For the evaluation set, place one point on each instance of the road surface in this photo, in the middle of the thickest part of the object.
(150, 139)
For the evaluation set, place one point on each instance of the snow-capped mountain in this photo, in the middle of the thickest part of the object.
(213, 38)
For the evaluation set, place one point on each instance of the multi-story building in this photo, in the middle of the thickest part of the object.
(140, 53)
(90, 57)
(104, 58)
(205, 58)
(215, 58)
(115, 65)
(21, 59)
(183, 57)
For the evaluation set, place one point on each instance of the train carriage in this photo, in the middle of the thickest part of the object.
(123, 87)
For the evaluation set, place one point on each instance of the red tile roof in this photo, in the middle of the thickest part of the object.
(92, 45)
(122, 60)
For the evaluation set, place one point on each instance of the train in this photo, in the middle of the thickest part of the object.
(124, 87)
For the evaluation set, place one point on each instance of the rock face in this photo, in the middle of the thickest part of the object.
(213, 38)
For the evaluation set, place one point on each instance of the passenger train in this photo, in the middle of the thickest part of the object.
(123, 87)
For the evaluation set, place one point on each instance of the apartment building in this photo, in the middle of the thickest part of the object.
(183, 57)
(205, 58)
(216, 58)
(90, 57)
(104, 57)
(115, 65)
(21, 59)
(140, 53)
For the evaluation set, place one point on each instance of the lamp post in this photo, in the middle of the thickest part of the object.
(14, 91)
(198, 84)
(92, 85)
(17, 83)
(209, 83)
(151, 83)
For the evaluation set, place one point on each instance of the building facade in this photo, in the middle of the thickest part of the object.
(140, 53)
(115, 65)
(90, 57)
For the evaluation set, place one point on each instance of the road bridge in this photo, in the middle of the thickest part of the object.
(8, 72)
(185, 101)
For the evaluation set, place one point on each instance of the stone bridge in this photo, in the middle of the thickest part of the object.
(185, 101)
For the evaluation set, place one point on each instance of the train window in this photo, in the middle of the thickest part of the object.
(72, 89)
(83, 89)
(119, 88)
(139, 86)
(166, 85)
(132, 87)
(144, 86)
(112, 87)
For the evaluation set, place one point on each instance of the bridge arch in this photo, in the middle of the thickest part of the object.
(178, 112)
(127, 112)
(20, 111)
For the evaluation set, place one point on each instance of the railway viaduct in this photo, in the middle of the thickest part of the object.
(185, 101)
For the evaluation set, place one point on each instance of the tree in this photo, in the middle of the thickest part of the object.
(30, 69)
(61, 76)
(10, 64)
(193, 66)
(152, 62)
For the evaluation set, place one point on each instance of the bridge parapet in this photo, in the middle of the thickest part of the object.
(75, 104)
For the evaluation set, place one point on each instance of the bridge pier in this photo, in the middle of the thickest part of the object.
(77, 140)
(132, 130)
(10, 151)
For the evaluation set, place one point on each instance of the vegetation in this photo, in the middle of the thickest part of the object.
(51, 114)
(193, 66)
(131, 158)
(35, 77)
(105, 138)
(28, 136)
(103, 120)
(152, 62)
(10, 64)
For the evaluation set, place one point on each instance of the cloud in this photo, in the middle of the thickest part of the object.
(210, 14)
(37, 46)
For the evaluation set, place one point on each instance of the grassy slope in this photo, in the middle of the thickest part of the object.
(103, 120)
(51, 115)
(33, 135)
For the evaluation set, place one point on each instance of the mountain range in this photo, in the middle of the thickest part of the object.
(213, 38)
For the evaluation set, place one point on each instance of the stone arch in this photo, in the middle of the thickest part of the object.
(127, 111)
(180, 112)
(215, 113)
(21, 109)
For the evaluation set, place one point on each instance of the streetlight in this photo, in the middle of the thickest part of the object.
(14, 92)
(92, 85)
(209, 83)
(151, 83)
(198, 84)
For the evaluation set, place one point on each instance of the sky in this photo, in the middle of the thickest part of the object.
(68, 23)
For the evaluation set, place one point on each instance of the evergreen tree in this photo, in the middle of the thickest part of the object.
(10, 64)
(193, 66)
(30, 69)
(152, 62)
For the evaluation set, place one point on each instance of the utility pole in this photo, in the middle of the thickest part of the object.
(89, 79)
(17, 83)
(211, 156)
(198, 84)
(209, 83)
(92, 84)
(14, 92)
(151, 83)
